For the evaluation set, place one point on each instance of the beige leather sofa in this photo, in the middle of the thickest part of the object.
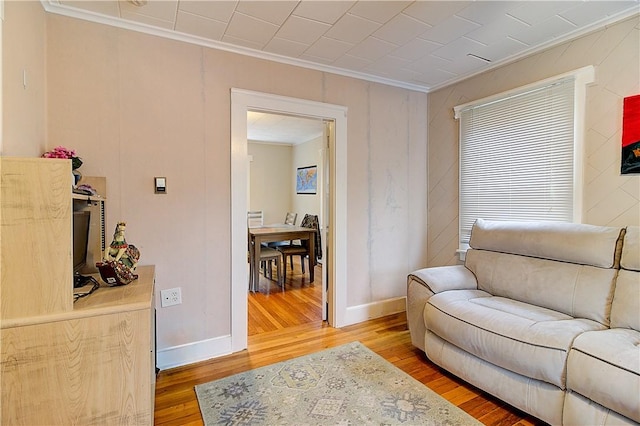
(545, 316)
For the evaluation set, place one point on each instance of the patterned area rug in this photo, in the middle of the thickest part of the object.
(346, 385)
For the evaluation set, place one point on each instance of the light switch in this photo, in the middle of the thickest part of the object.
(161, 185)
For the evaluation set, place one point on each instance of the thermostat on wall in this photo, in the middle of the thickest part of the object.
(161, 185)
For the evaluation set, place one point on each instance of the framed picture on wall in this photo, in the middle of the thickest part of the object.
(631, 135)
(307, 180)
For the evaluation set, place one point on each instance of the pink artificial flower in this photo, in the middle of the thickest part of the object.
(64, 153)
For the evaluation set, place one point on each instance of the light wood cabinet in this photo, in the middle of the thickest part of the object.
(92, 362)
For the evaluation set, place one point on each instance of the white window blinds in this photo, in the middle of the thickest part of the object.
(517, 157)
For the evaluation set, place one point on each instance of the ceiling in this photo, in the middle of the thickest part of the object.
(420, 45)
(282, 129)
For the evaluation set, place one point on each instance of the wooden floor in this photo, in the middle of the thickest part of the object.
(288, 324)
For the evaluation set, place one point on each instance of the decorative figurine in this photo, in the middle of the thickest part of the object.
(120, 259)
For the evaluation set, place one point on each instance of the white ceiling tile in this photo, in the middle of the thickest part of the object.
(109, 8)
(464, 65)
(321, 10)
(499, 29)
(197, 25)
(434, 12)
(449, 29)
(544, 31)
(487, 12)
(351, 62)
(535, 12)
(248, 28)
(458, 49)
(219, 10)
(433, 77)
(416, 49)
(387, 65)
(316, 59)
(275, 12)
(241, 42)
(352, 29)
(372, 48)
(404, 74)
(501, 49)
(302, 30)
(378, 11)
(428, 62)
(158, 9)
(285, 47)
(328, 48)
(401, 29)
(148, 20)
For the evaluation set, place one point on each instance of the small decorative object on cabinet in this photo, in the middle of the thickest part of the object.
(67, 154)
(92, 362)
(120, 259)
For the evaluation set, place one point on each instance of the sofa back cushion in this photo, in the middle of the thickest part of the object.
(566, 242)
(565, 267)
(626, 300)
(577, 290)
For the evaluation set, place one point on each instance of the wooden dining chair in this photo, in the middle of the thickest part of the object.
(289, 219)
(268, 255)
(255, 218)
(302, 249)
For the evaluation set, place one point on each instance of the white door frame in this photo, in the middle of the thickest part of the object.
(241, 102)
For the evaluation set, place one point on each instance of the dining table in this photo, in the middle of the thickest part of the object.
(277, 232)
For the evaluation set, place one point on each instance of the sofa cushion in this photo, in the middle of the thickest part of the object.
(630, 259)
(579, 410)
(576, 290)
(604, 366)
(526, 339)
(625, 310)
(566, 242)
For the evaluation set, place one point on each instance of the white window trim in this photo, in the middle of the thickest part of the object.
(582, 78)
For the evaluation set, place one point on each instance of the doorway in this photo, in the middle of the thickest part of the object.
(279, 147)
(243, 101)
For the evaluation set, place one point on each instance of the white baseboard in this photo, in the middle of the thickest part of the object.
(190, 353)
(203, 350)
(361, 313)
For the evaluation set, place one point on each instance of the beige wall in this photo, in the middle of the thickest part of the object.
(137, 106)
(609, 197)
(304, 155)
(23, 53)
(270, 183)
(273, 188)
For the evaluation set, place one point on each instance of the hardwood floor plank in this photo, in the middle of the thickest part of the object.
(287, 324)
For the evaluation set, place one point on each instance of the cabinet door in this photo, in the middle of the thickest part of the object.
(93, 370)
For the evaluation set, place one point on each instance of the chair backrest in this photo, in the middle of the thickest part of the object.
(254, 219)
(290, 219)
(311, 221)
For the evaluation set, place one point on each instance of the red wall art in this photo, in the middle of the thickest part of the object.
(631, 135)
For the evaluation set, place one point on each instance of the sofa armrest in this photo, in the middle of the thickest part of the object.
(443, 278)
(423, 284)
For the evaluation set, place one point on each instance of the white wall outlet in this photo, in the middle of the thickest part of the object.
(170, 297)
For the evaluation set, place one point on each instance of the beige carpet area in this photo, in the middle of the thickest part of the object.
(345, 385)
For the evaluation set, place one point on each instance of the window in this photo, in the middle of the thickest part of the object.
(520, 154)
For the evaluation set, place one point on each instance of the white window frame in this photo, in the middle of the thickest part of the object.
(581, 77)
